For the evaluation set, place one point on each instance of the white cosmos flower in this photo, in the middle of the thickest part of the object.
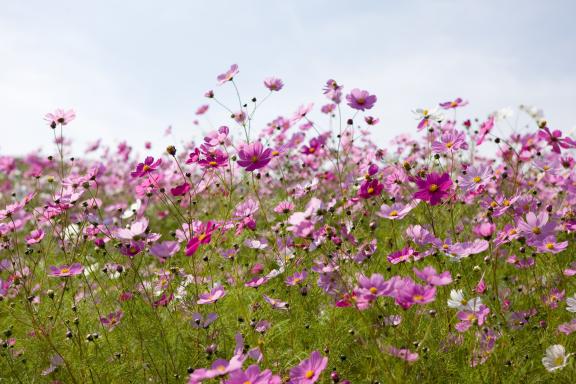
(555, 358)
(131, 211)
(459, 302)
(571, 304)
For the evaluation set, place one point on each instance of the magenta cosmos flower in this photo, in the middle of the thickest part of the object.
(146, 167)
(433, 188)
(66, 270)
(203, 236)
(370, 189)
(253, 156)
(309, 370)
(360, 100)
(60, 116)
(211, 297)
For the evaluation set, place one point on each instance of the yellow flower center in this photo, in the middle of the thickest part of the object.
(493, 204)
(312, 150)
(425, 113)
(550, 245)
(477, 179)
(146, 167)
(370, 190)
(394, 213)
(202, 236)
(433, 188)
(418, 297)
(309, 374)
(275, 153)
(221, 368)
(213, 163)
(558, 361)
(536, 230)
(453, 104)
(65, 270)
(373, 290)
(445, 246)
(506, 203)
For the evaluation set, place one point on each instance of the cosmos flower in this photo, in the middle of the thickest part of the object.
(276, 304)
(433, 188)
(453, 104)
(111, 320)
(253, 156)
(60, 116)
(203, 235)
(370, 189)
(66, 270)
(360, 100)
(211, 297)
(309, 370)
(228, 75)
(146, 167)
(555, 358)
(273, 84)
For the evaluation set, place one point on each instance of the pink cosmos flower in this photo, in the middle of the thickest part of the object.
(284, 207)
(468, 318)
(402, 255)
(433, 188)
(467, 248)
(273, 84)
(410, 293)
(453, 104)
(333, 91)
(360, 100)
(135, 230)
(404, 354)
(550, 245)
(219, 367)
(475, 178)
(60, 116)
(396, 211)
(211, 297)
(112, 319)
(35, 236)
(208, 157)
(202, 109)
(276, 304)
(165, 250)
(485, 230)
(253, 156)
(485, 128)
(296, 278)
(228, 75)
(146, 167)
(66, 270)
(253, 375)
(451, 140)
(429, 275)
(309, 370)
(536, 227)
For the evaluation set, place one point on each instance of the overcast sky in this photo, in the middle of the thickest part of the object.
(131, 68)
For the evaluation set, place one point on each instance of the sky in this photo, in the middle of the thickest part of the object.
(131, 68)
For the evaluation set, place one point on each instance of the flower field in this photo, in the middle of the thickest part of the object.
(301, 252)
